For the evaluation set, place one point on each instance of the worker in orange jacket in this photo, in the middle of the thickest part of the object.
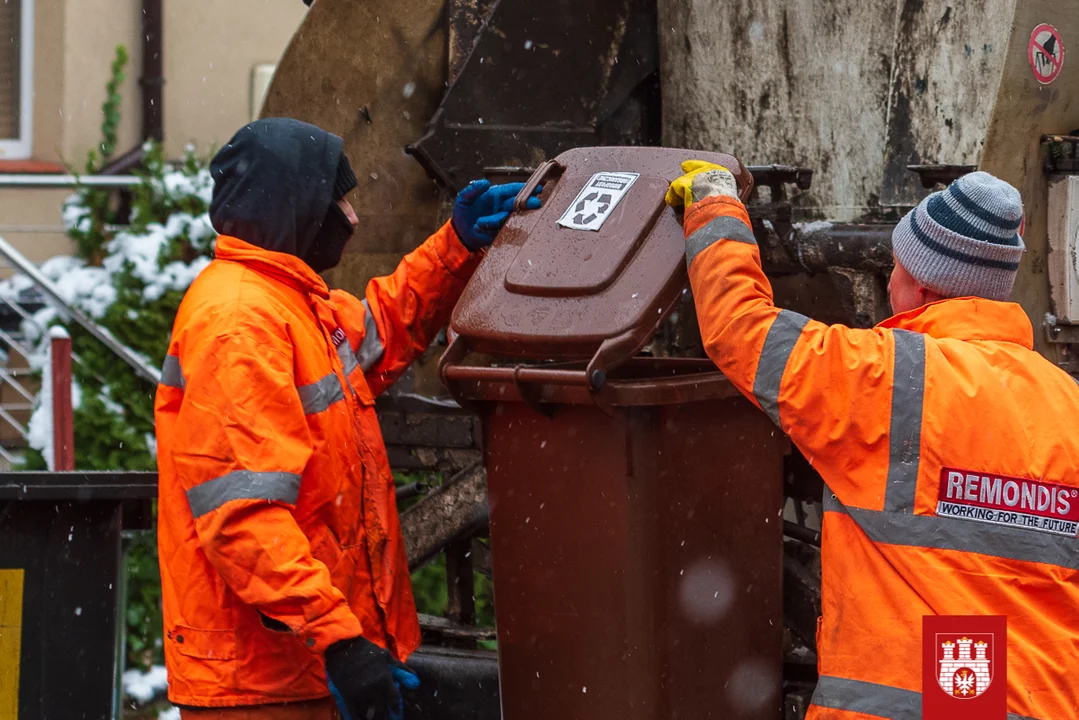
(282, 560)
(945, 442)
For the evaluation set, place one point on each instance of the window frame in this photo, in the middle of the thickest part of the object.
(21, 148)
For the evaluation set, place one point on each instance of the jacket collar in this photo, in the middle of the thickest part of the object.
(968, 319)
(286, 268)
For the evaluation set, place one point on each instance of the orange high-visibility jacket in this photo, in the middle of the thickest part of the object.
(950, 456)
(277, 528)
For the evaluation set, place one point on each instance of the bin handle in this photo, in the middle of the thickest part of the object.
(551, 167)
(453, 354)
(611, 353)
(518, 375)
(529, 394)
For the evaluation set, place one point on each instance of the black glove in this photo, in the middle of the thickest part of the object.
(364, 679)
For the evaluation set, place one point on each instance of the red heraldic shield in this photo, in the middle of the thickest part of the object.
(964, 667)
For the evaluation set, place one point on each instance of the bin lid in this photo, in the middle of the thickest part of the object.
(600, 264)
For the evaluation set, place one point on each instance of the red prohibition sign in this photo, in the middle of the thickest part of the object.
(1045, 53)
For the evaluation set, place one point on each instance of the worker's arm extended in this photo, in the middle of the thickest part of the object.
(827, 387)
(240, 446)
(402, 312)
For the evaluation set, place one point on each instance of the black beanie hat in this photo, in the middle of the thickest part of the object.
(345, 179)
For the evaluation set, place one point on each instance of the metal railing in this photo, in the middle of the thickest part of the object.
(19, 262)
(67, 181)
(19, 393)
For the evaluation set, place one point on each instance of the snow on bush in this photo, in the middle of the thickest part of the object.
(142, 250)
(128, 273)
(141, 253)
(129, 279)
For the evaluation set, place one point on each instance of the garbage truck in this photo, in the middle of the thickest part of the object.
(843, 115)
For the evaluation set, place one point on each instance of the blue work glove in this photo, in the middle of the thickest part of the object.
(406, 679)
(481, 209)
(342, 706)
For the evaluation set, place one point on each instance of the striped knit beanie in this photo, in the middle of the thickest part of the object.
(964, 241)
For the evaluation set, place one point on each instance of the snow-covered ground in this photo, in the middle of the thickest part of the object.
(143, 687)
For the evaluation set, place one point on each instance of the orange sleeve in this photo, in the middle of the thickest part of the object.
(401, 313)
(828, 387)
(240, 447)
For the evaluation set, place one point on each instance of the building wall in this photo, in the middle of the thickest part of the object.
(92, 30)
(48, 82)
(208, 66)
(210, 50)
(208, 63)
(30, 220)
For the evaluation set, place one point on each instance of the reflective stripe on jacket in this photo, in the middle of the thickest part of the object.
(885, 415)
(278, 529)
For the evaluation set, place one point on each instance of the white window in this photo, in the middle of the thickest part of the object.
(16, 77)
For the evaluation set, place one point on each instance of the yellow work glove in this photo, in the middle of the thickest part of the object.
(702, 179)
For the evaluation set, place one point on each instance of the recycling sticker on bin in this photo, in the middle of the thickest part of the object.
(594, 204)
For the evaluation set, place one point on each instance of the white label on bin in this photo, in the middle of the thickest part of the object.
(594, 204)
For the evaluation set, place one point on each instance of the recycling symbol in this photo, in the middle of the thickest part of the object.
(590, 207)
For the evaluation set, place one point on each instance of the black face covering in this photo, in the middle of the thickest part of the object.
(328, 245)
(273, 183)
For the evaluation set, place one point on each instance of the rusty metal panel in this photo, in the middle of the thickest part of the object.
(372, 72)
(1025, 110)
(539, 80)
(637, 561)
(855, 90)
(466, 21)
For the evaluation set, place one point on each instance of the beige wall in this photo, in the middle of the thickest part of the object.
(30, 220)
(211, 47)
(210, 50)
(92, 30)
(48, 81)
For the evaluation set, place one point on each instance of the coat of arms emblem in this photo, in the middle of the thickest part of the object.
(965, 664)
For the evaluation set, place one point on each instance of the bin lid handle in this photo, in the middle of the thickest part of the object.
(550, 167)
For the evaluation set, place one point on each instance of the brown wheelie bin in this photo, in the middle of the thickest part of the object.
(635, 501)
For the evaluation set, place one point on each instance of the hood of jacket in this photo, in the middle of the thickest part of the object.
(273, 184)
